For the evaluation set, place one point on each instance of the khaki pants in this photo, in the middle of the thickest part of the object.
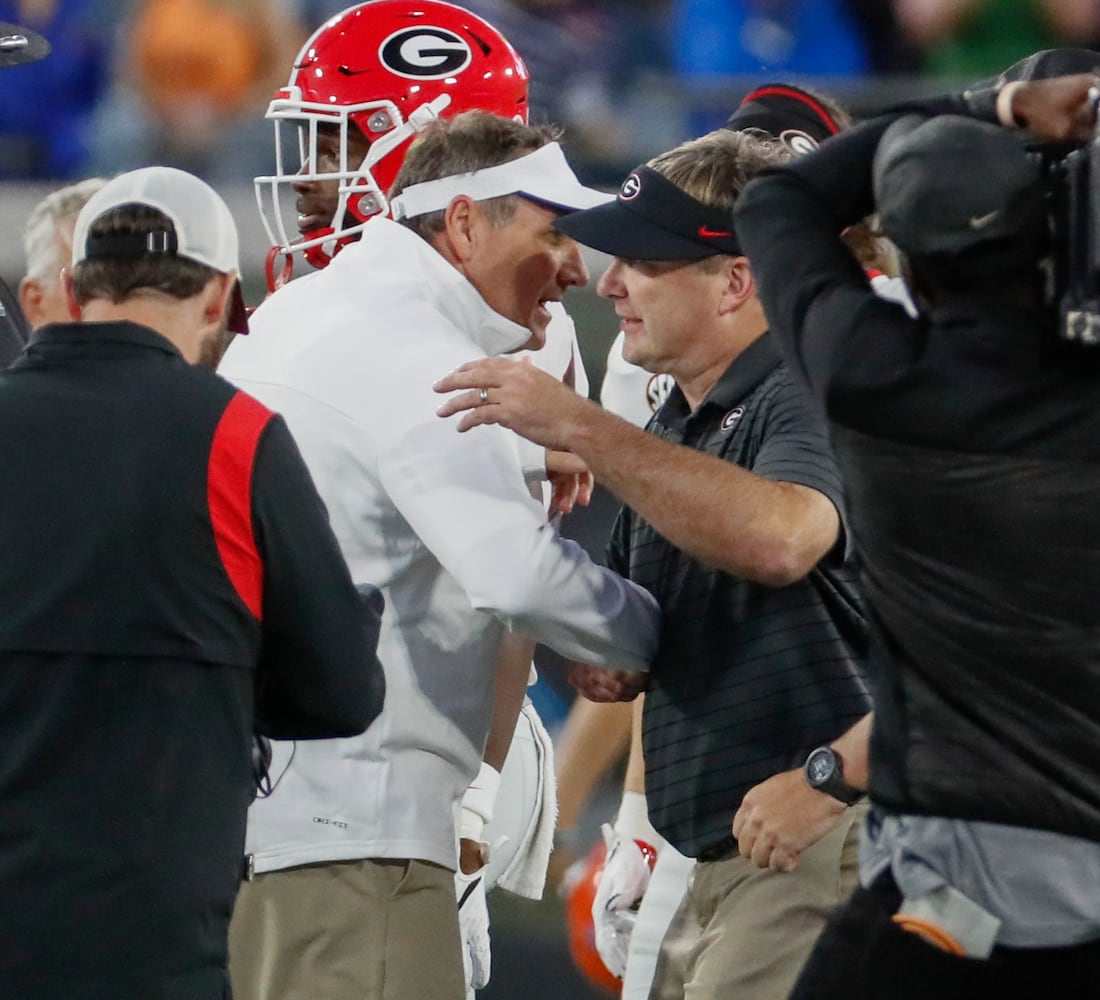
(744, 933)
(350, 930)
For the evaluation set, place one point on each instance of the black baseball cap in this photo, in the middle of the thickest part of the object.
(788, 113)
(949, 184)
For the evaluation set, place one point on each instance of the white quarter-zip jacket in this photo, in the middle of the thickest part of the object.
(442, 522)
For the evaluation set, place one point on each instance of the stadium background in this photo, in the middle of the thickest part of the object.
(607, 134)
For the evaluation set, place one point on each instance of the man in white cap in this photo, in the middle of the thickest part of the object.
(358, 840)
(170, 586)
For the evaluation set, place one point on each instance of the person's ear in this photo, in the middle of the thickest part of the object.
(30, 299)
(462, 220)
(740, 285)
(215, 305)
(70, 294)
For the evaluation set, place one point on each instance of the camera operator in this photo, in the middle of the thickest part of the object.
(969, 439)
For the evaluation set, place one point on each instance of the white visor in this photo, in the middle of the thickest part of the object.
(543, 176)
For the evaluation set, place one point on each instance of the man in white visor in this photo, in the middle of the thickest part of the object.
(355, 894)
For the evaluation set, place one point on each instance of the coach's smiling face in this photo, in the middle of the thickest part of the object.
(519, 265)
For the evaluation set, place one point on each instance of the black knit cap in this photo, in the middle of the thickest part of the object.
(788, 113)
(948, 185)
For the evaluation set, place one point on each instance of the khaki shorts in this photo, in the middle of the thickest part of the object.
(377, 929)
(744, 933)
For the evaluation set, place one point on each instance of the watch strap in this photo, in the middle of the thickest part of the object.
(834, 784)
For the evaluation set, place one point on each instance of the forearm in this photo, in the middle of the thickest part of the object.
(512, 674)
(632, 819)
(593, 737)
(853, 748)
(634, 781)
(763, 530)
(718, 513)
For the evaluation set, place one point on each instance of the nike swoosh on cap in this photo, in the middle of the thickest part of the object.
(981, 221)
(711, 234)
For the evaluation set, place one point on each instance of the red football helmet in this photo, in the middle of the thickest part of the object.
(387, 68)
(579, 890)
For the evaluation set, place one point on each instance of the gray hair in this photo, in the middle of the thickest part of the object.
(41, 247)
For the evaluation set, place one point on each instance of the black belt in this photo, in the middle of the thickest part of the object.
(716, 852)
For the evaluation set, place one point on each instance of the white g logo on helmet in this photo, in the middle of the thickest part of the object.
(425, 53)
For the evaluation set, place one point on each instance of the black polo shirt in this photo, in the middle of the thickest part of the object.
(747, 678)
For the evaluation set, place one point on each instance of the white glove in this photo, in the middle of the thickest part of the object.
(473, 913)
(473, 923)
(623, 882)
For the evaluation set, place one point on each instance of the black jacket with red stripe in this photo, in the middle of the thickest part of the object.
(168, 583)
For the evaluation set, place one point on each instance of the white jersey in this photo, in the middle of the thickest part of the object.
(442, 522)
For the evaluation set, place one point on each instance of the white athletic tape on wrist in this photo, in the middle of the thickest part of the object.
(478, 802)
(633, 820)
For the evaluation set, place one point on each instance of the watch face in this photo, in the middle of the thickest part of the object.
(819, 767)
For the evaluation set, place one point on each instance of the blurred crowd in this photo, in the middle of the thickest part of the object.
(185, 82)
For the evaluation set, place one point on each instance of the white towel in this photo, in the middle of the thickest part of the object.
(525, 874)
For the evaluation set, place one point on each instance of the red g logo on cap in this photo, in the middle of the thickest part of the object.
(632, 187)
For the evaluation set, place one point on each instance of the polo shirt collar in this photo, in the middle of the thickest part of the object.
(754, 364)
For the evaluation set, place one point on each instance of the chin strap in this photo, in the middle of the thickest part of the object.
(275, 281)
(319, 255)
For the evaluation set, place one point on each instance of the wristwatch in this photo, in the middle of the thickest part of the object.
(824, 770)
